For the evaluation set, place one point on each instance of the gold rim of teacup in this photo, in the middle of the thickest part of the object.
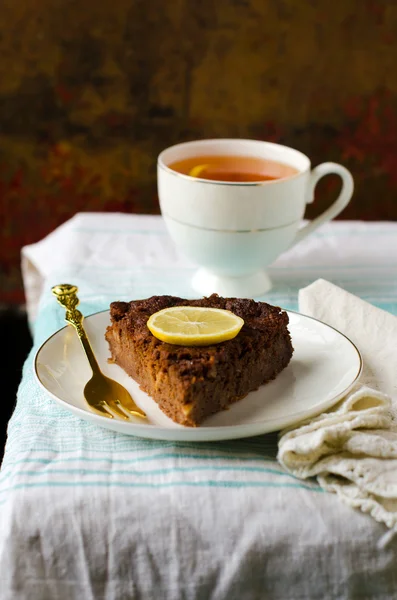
(218, 230)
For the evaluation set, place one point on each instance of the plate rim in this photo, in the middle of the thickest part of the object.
(201, 433)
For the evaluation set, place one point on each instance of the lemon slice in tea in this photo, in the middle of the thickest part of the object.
(198, 170)
(194, 326)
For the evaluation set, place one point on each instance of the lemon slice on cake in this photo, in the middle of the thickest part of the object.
(194, 326)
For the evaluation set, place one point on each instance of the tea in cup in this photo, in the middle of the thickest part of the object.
(233, 206)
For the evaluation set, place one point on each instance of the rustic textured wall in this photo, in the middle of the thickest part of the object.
(90, 92)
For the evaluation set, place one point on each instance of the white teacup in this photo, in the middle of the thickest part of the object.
(234, 230)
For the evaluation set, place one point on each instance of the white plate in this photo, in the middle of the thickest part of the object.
(324, 366)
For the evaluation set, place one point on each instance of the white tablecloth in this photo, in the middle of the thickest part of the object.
(86, 513)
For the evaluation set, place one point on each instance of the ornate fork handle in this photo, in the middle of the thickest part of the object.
(66, 295)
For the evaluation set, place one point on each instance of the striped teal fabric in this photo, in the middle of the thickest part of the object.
(86, 513)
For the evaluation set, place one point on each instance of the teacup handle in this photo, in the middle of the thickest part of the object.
(340, 203)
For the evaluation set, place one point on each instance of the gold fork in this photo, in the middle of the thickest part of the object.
(104, 395)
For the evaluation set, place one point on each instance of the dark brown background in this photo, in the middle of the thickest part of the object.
(91, 92)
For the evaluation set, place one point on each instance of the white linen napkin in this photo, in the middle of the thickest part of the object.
(352, 449)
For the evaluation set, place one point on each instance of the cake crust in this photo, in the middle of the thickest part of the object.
(189, 383)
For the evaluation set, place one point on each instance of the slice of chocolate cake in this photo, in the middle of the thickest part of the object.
(189, 383)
